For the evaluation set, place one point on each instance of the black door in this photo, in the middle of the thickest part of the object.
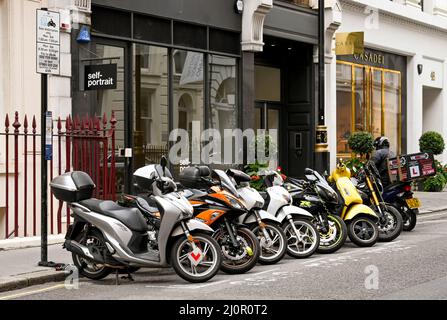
(298, 120)
(287, 66)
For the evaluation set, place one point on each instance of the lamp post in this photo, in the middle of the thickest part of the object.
(321, 145)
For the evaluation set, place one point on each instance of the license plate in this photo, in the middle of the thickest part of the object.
(413, 203)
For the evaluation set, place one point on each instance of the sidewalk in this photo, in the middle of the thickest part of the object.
(19, 257)
(432, 201)
(19, 269)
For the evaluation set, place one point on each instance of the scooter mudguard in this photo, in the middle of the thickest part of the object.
(293, 211)
(193, 225)
(357, 209)
(264, 216)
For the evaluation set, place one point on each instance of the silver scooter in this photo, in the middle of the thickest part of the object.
(263, 224)
(105, 236)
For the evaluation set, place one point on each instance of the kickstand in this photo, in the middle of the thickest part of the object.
(117, 278)
(128, 277)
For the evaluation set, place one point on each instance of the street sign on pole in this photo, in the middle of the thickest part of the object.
(48, 42)
(47, 62)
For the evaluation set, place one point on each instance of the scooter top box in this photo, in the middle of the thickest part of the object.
(192, 177)
(410, 167)
(72, 186)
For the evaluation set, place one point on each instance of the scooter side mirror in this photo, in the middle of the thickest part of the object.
(163, 163)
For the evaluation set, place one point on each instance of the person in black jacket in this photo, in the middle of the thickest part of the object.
(380, 156)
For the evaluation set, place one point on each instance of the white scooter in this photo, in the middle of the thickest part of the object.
(303, 237)
(263, 224)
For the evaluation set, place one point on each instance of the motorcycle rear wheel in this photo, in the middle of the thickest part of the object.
(87, 267)
(410, 220)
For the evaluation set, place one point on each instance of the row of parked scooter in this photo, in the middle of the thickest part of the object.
(212, 220)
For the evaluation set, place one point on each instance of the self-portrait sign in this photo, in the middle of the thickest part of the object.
(100, 76)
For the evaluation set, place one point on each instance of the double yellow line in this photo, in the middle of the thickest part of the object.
(27, 293)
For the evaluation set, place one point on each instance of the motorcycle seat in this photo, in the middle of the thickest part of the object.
(130, 217)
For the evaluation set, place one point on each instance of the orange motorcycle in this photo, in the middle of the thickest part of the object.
(219, 207)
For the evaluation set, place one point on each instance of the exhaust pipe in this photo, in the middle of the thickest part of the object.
(81, 250)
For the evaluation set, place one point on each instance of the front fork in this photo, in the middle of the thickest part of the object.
(188, 235)
(382, 217)
(297, 233)
(263, 229)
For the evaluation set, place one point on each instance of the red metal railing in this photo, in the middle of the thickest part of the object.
(85, 144)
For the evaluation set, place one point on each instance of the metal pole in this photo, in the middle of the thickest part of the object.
(44, 174)
(321, 145)
(321, 31)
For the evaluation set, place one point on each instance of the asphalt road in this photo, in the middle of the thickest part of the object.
(414, 266)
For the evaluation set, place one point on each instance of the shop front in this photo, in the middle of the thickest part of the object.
(371, 96)
(170, 74)
(187, 67)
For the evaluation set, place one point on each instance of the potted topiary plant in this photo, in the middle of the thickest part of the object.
(361, 143)
(433, 142)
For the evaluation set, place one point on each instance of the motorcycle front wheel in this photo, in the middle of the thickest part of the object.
(392, 228)
(240, 259)
(199, 266)
(273, 251)
(363, 231)
(335, 237)
(305, 241)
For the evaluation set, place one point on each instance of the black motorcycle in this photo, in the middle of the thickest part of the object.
(370, 188)
(316, 196)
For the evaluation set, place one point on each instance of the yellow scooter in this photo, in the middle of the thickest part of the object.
(359, 218)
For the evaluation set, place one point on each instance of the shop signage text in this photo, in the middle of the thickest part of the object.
(370, 57)
(347, 43)
(100, 76)
(47, 42)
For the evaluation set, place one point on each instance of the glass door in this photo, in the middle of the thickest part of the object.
(368, 99)
(106, 101)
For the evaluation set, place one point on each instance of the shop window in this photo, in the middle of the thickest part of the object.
(101, 22)
(224, 41)
(189, 35)
(188, 90)
(151, 29)
(223, 94)
(344, 107)
(151, 123)
(368, 99)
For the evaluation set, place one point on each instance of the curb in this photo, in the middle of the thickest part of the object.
(433, 211)
(30, 279)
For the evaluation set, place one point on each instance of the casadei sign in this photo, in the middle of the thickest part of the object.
(100, 76)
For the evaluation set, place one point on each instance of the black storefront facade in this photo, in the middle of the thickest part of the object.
(179, 62)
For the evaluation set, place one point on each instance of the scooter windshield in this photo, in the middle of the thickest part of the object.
(225, 181)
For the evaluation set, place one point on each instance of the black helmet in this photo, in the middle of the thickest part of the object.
(381, 142)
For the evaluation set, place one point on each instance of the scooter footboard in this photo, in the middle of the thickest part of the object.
(358, 209)
(193, 225)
